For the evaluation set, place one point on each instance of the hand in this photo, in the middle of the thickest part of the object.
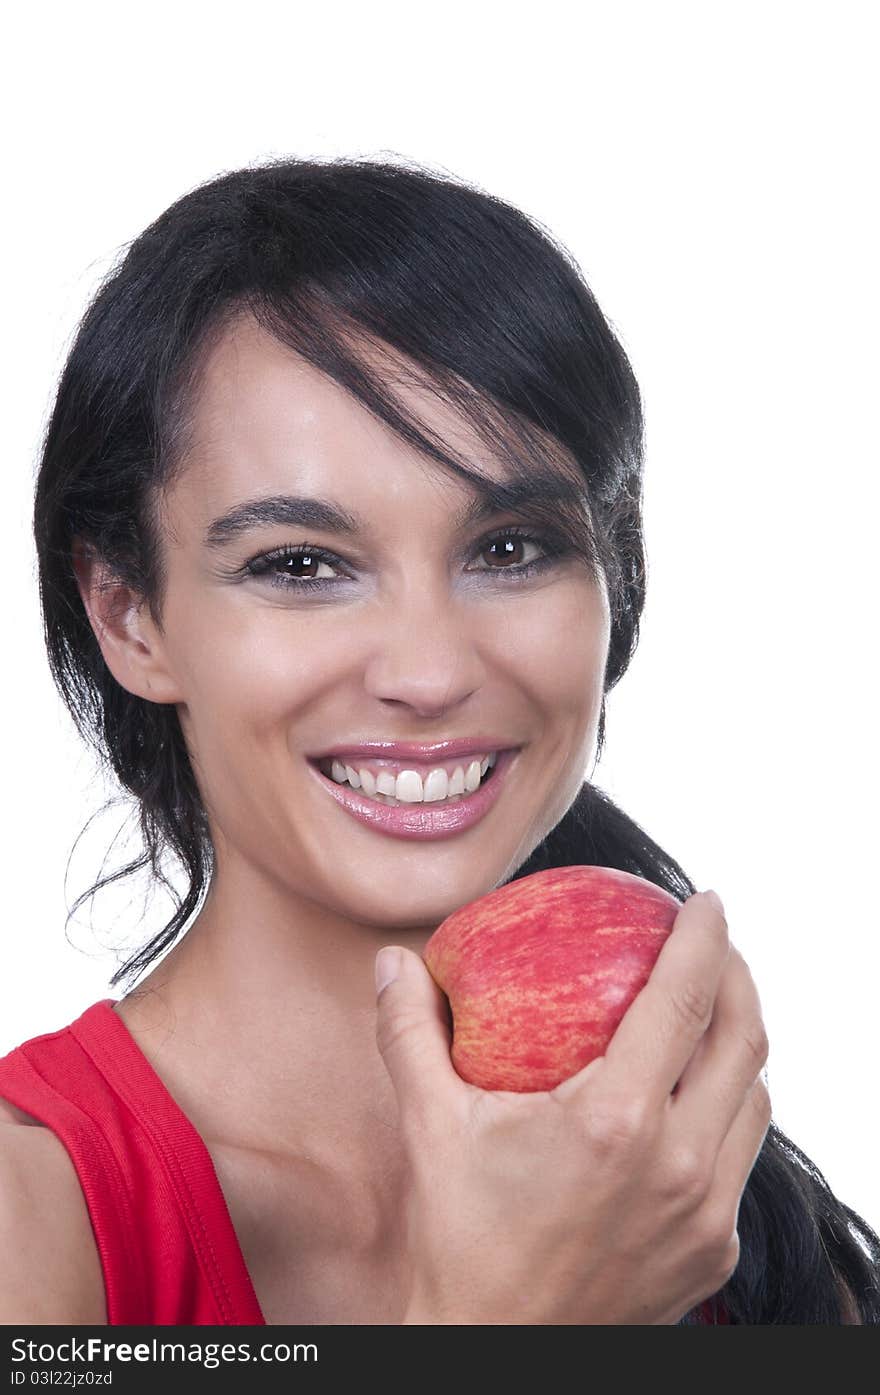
(610, 1199)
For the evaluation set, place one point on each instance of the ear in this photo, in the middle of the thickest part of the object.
(131, 643)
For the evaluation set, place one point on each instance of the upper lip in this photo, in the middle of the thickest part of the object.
(416, 750)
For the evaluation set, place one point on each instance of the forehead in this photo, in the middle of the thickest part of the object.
(264, 420)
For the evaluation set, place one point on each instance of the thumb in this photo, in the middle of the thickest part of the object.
(413, 1030)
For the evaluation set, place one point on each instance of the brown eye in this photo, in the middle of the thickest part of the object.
(508, 547)
(281, 568)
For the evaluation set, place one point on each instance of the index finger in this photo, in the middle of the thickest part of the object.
(663, 1026)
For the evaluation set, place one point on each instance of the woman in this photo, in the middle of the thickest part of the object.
(346, 455)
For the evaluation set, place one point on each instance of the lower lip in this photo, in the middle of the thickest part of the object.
(432, 820)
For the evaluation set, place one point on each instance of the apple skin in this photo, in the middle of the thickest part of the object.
(539, 972)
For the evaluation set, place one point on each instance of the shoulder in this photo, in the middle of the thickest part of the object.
(53, 1270)
(10, 1114)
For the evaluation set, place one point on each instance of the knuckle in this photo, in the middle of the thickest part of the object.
(686, 1177)
(717, 922)
(614, 1129)
(757, 1044)
(391, 1030)
(728, 1260)
(692, 1005)
(721, 1244)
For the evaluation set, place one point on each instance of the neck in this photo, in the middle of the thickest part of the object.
(261, 1021)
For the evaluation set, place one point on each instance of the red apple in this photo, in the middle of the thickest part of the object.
(539, 972)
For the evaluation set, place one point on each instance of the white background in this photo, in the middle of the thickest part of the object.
(713, 169)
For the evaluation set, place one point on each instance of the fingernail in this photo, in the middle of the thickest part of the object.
(387, 967)
(715, 899)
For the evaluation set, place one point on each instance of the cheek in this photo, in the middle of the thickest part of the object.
(252, 670)
(561, 650)
(245, 671)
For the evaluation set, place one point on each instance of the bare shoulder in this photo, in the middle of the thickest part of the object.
(10, 1114)
(52, 1270)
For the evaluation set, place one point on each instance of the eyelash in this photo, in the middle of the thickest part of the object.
(261, 566)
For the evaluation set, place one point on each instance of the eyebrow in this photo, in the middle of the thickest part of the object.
(299, 510)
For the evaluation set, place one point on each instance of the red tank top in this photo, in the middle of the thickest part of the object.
(168, 1249)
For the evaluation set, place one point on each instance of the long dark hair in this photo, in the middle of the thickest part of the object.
(494, 313)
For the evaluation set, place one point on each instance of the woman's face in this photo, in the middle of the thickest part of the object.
(422, 631)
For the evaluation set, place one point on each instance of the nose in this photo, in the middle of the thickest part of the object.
(426, 652)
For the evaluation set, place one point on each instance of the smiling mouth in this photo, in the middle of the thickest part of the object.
(325, 766)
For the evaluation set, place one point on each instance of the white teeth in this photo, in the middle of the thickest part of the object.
(472, 776)
(455, 784)
(368, 782)
(408, 787)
